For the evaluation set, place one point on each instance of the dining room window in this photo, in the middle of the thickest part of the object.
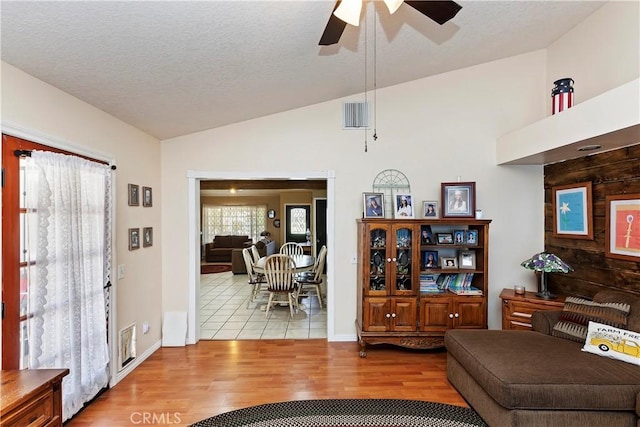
(249, 220)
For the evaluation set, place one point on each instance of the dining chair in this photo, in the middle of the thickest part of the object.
(279, 272)
(255, 253)
(311, 281)
(291, 248)
(257, 281)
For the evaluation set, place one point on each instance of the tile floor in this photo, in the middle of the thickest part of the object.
(224, 314)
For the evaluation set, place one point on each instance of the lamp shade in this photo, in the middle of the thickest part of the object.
(546, 262)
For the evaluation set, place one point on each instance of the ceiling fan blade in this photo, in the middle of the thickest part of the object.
(333, 30)
(439, 11)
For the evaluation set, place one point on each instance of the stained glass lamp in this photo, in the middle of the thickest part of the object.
(546, 263)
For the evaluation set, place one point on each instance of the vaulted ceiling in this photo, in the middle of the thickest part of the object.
(172, 68)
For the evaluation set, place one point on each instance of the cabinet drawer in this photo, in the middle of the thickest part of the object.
(522, 309)
(36, 413)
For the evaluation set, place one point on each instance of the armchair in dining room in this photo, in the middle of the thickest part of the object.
(279, 272)
(291, 248)
(257, 281)
(311, 281)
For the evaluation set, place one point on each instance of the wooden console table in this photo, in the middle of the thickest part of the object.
(517, 309)
(31, 397)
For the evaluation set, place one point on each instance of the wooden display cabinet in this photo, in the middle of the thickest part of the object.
(391, 307)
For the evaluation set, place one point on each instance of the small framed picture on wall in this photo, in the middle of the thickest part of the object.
(147, 237)
(134, 195)
(147, 197)
(134, 239)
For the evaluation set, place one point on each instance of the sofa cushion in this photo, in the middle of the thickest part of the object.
(223, 241)
(239, 241)
(633, 321)
(578, 312)
(607, 341)
(530, 370)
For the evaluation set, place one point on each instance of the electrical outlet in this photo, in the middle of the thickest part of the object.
(145, 327)
(120, 271)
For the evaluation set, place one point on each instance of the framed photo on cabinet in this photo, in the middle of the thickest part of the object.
(458, 199)
(403, 205)
(373, 205)
(430, 209)
(448, 262)
(467, 259)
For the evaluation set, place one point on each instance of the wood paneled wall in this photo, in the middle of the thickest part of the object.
(613, 172)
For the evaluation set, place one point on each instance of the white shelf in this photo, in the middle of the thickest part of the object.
(611, 120)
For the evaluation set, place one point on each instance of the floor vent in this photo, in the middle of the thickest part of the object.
(355, 115)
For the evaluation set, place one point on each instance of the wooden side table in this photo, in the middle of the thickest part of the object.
(517, 309)
(31, 397)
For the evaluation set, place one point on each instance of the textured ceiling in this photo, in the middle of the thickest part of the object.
(171, 68)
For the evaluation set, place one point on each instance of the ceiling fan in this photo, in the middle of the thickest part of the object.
(348, 12)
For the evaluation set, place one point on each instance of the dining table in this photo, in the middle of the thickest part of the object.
(303, 263)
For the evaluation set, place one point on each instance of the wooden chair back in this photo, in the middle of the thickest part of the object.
(255, 253)
(279, 271)
(291, 248)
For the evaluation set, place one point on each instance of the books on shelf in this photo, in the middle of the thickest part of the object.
(428, 283)
(458, 283)
(466, 291)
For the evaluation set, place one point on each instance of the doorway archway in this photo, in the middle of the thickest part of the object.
(194, 178)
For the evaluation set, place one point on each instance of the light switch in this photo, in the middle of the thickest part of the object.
(120, 271)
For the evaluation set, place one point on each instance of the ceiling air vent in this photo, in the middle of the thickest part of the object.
(355, 115)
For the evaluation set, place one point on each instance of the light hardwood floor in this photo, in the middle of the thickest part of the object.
(179, 386)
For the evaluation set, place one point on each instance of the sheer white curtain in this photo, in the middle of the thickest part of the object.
(239, 220)
(68, 328)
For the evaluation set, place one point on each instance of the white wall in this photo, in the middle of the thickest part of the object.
(433, 130)
(41, 109)
(601, 53)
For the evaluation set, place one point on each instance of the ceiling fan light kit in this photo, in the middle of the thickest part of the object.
(349, 11)
(393, 5)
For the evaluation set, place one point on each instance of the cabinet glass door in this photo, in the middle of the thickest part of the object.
(403, 259)
(378, 261)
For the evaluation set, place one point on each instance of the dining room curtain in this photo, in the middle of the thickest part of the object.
(68, 328)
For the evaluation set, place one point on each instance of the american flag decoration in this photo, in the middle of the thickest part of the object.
(562, 95)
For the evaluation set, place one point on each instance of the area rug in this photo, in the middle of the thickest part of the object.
(347, 413)
(214, 268)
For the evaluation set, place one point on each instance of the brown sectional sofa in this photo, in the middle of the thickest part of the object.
(220, 249)
(530, 378)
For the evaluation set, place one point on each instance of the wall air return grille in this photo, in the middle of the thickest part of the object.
(355, 115)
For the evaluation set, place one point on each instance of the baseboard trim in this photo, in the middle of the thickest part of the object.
(136, 362)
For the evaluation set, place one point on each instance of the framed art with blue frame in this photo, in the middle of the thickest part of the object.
(573, 211)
